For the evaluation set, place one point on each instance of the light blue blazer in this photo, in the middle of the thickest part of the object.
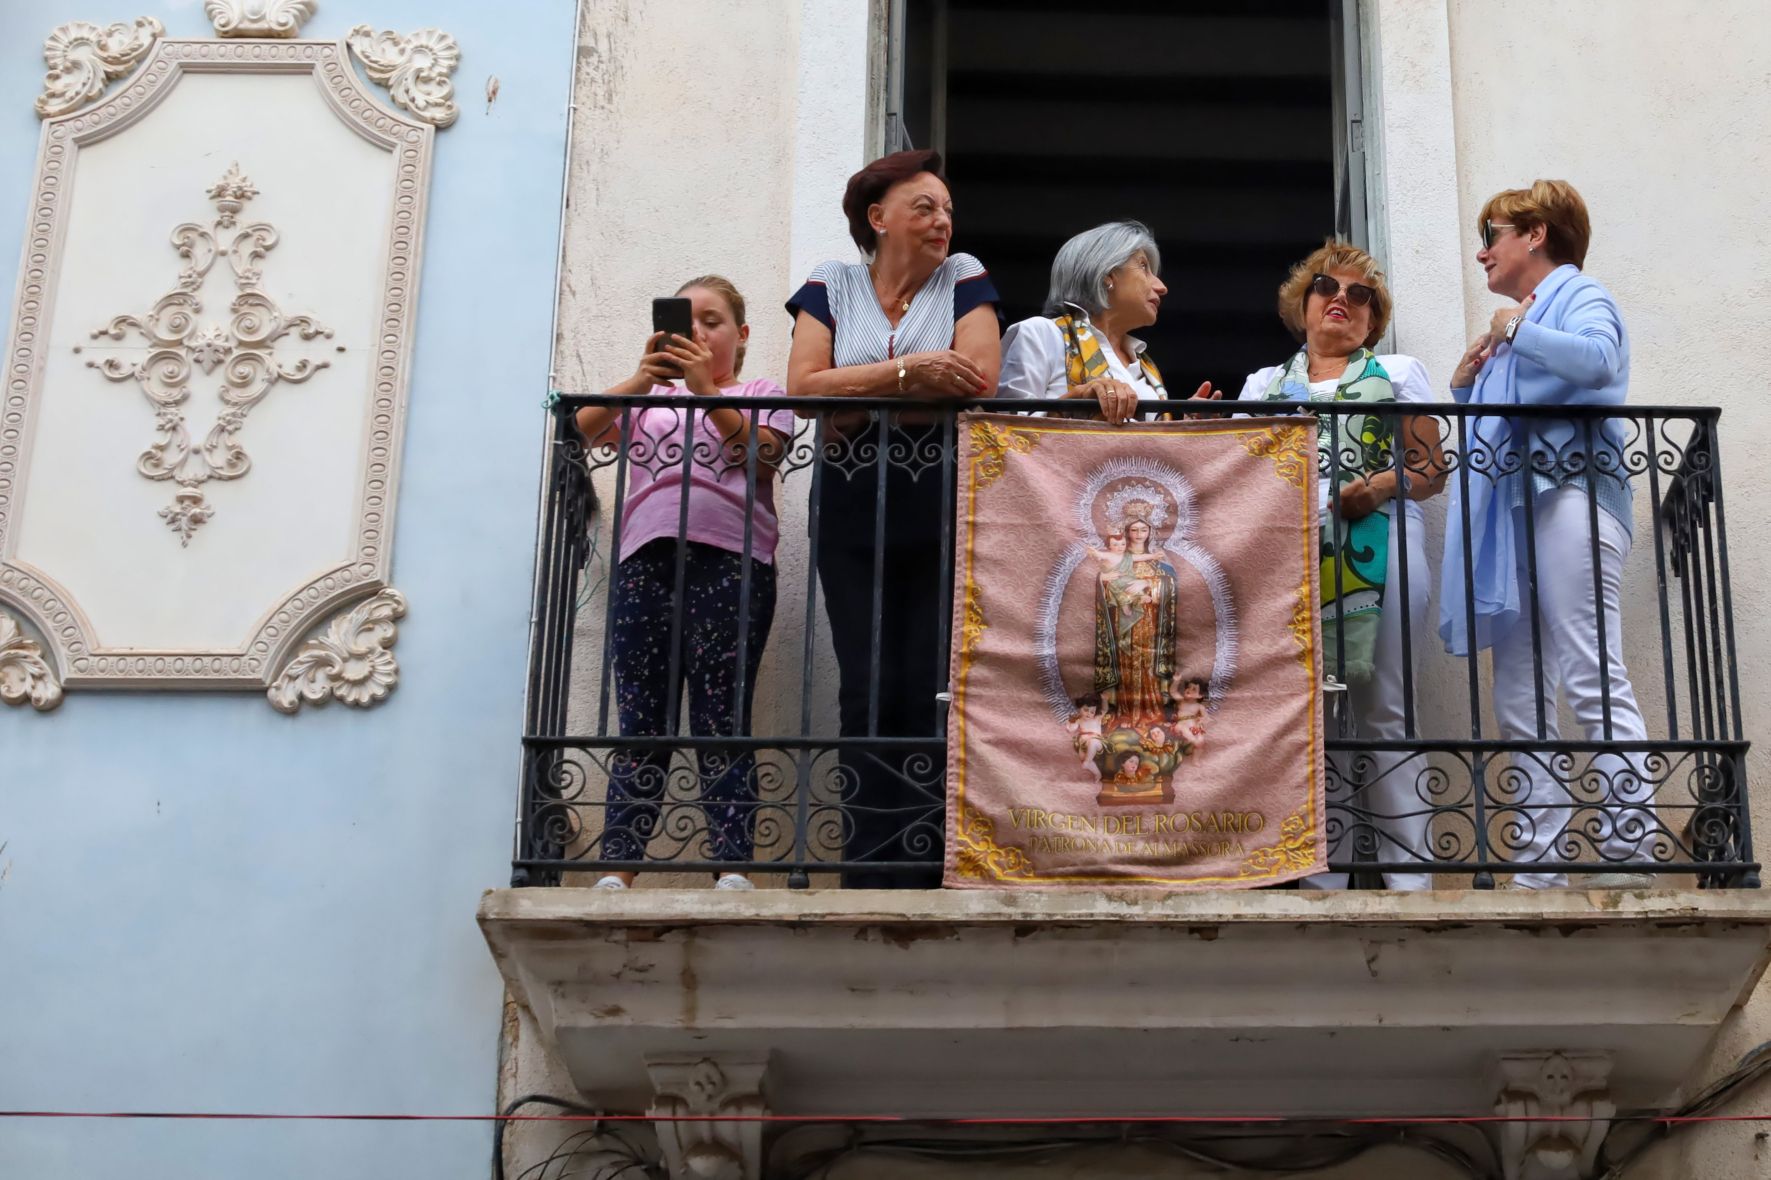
(1570, 350)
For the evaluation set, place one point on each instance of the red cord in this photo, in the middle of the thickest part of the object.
(1035, 1120)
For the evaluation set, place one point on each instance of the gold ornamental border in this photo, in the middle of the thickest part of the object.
(990, 445)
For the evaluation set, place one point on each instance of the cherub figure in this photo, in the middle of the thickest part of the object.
(1084, 728)
(1162, 750)
(1113, 555)
(1190, 713)
(1134, 771)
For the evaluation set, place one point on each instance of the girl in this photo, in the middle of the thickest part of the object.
(718, 539)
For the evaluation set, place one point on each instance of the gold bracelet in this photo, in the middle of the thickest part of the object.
(900, 361)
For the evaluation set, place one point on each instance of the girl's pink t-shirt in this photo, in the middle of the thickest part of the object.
(716, 477)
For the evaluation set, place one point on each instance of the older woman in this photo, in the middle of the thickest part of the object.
(910, 321)
(1105, 285)
(1559, 340)
(1337, 305)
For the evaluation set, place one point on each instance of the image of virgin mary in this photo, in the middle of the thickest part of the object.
(1135, 708)
(1135, 628)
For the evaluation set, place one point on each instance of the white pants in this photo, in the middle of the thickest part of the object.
(1568, 624)
(1384, 786)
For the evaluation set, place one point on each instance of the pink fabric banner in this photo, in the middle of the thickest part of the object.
(1136, 671)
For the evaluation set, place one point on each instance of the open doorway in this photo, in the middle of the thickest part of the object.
(1231, 127)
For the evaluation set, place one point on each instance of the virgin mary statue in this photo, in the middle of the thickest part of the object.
(1135, 625)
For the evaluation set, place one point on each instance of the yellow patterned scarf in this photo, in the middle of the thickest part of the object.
(1085, 357)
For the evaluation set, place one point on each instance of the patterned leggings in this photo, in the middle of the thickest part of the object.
(644, 587)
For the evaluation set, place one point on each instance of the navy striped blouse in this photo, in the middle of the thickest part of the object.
(840, 296)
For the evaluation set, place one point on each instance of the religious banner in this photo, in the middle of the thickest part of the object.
(1136, 667)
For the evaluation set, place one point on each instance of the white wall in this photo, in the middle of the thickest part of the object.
(710, 137)
(1659, 111)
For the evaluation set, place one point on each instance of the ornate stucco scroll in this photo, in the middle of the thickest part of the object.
(84, 58)
(416, 69)
(258, 18)
(24, 674)
(351, 661)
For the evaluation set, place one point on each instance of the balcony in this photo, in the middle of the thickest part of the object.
(937, 1003)
(1673, 805)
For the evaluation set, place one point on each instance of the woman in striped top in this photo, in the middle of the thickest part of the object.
(912, 321)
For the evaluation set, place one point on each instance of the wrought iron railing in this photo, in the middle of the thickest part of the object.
(857, 789)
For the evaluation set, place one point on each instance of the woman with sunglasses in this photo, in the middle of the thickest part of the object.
(1559, 340)
(1337, 305)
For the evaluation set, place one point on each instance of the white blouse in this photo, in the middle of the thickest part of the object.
(1033, 363)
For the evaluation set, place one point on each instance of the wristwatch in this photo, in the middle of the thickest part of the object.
(1512, 328)
(901, 373)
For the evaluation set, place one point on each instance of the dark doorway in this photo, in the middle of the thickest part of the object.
(1216, 122)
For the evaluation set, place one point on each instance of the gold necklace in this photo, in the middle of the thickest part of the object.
(903, 304)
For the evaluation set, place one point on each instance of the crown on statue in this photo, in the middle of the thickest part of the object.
(1139, 502)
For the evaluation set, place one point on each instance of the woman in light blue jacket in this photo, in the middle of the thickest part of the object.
(1561, 341)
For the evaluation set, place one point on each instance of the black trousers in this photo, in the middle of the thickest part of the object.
(645, 584)
(895, 800)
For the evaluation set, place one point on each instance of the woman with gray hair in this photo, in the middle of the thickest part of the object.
(1105, 284)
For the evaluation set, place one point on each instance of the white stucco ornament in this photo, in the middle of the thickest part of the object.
(213, 362)
(1558, 1109)
(173, 341)
(258, 18)
(706, 1109)
(352, 661)
(84, 58)
(24, 674)
(416, 69)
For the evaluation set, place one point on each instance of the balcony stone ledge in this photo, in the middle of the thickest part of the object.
(1112, 1003)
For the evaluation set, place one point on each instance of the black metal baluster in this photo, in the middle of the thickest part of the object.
(1593, 475)
(798, 878)
(1651, 425)
(626, 442)
(674, 698)
(1484, 878)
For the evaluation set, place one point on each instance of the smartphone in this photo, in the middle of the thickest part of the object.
(675, 315)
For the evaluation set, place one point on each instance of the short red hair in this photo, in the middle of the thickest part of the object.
(870, 185)
(1554, 204)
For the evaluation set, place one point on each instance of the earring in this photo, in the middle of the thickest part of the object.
(882, 233)
(1531, 249)
(1109, 286)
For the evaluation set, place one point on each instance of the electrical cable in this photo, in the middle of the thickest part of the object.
(597, 1133)
(1753, 1066)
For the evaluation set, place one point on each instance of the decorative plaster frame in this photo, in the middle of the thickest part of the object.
(258, 18)
(71, 648)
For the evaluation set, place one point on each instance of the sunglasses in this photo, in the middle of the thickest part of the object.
(1358, 294)
(1488, 228)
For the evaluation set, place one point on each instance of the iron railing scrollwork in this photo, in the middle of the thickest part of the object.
(1673, 803)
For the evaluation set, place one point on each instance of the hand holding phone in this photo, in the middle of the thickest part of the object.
(676, 316)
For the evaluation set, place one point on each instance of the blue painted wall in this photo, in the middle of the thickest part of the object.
(211, 906)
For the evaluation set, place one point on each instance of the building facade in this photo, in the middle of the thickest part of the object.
(348, 847)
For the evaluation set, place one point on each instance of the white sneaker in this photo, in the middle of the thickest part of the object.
(733, 881)
(610, 882)
(1618, 881)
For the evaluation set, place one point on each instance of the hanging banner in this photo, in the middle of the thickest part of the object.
(1136, 672)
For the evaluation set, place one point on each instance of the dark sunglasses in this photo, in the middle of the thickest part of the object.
(1488, 228)
(1358, 294)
